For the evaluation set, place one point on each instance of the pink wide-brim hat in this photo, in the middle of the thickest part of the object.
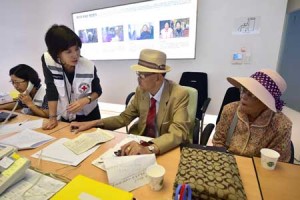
(258, 90)
(152, 61)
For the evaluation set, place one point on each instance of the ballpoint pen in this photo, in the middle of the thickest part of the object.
(21, 123)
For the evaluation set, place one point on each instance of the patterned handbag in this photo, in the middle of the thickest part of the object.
(210, 174)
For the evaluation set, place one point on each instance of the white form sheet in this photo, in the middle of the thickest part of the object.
(27, 139)
(17, 127)
(57, 152)
(44, 187)
(128, 172)
(86, 141)
(98, 162)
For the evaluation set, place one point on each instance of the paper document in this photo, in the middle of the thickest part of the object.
(110, 152)
(57, 152)
(128, 172)
(5, 98)
(27, 139)
(86, 141)
(17, 127)
(44, 187)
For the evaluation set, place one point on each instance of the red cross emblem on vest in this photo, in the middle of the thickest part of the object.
(84, 88)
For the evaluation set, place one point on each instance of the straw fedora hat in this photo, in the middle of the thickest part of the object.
(151, 60)
(267, 85)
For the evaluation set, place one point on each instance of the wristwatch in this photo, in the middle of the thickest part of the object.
(151, 148)
(148, 145)
(90, 98)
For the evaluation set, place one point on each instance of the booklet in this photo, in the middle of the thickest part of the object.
(86, 141)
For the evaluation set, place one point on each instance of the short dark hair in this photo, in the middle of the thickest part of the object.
(59, 38)
(27, 73)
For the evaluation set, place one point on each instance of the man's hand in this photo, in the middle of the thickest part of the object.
(134, 148)
(82, 126)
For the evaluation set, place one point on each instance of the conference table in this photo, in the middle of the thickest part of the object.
(281, 183)
(169, 160)
(250, 170)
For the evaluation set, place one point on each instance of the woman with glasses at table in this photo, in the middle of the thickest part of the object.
(32, 98)
(73, 86)
(256, 121)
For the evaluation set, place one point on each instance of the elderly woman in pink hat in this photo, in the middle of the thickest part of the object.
(256, 121)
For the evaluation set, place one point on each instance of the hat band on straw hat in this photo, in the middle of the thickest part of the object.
(151, 65)
(270, 86)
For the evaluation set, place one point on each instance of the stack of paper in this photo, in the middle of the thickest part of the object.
(41, 187)
(128, 172)
(110, 152)
(27, 139)
(5, 98)
(82, 187)
(88, 140)
(17, 127)
(57, 152)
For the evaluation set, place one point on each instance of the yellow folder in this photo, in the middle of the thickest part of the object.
(82, 187)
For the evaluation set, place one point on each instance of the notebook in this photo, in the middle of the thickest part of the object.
(82, 187)
(3, 116)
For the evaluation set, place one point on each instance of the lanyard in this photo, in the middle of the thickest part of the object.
(183, 192)
(69, 96)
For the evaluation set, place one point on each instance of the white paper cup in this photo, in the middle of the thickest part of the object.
(269, 158)
(155, 174)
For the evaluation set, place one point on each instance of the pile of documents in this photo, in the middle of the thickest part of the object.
(126, 172)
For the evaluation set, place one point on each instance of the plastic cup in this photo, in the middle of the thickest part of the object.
(269, 158)
(155, 174)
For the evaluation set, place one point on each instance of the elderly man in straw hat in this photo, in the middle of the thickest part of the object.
(160, 104)
(257, 121)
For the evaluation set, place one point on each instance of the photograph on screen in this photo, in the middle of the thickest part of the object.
(88, 35)
(113, 34)
(144, 31)
(166, 29)
(181, 28)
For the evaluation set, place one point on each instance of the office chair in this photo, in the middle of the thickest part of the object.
(198, 80)
(193, 100)
(292, 153)
(127, 101)
(232, 94)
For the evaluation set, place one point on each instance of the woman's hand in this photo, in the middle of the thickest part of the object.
(51, 124)
(78, 105)
(26, 99)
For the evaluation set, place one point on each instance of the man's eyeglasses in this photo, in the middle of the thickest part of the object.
(245, 91)
(143, 75)
(16, 82)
